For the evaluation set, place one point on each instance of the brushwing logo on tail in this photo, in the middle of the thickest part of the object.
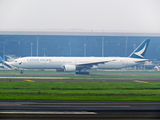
(141, 51)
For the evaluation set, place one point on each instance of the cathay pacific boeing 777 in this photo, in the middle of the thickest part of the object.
(80, 64)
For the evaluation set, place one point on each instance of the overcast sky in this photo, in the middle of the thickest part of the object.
(107, 15)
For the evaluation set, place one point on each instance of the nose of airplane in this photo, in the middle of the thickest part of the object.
(15, 64)
(12, 63)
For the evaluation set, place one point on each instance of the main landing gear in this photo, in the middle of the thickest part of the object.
(82, 73)
(21, 72)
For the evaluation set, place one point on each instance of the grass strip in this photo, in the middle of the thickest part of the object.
(87, 91)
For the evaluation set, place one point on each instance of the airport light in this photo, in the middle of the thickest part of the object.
(126, 47)
(37, 46)
(85, 49)
(3, 52)
(44, 51)
(31, 49)
(134, 45)
(103, 47)
(69, 49)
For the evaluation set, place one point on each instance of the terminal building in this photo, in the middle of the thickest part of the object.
(75, 44)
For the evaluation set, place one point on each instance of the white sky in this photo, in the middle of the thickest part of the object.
(107, 15)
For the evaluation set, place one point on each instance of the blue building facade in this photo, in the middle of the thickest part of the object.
(76, 45)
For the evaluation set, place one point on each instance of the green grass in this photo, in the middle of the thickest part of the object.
(87, 91)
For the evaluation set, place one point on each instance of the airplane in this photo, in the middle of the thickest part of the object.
(70, 64)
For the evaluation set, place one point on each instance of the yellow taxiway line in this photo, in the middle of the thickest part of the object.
(140, 81)
(29, 80)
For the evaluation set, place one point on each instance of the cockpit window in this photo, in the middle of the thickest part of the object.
(15, 61)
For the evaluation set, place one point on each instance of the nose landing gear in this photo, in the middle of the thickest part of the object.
(82, 73)
(21, 72)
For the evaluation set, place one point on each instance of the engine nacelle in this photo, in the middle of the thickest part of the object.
(69, 68)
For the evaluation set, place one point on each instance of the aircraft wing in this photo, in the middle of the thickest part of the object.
(90, 64)
(143, 60)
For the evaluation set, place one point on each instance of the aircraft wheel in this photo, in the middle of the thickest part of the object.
(21, 72)
(82, 73)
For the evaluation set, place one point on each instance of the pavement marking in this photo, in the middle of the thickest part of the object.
(109, 106)
(134, 75)
(35, 77)
(48, 113)
(116, 104)
(140, 81)
(89, 104)
(29, 80)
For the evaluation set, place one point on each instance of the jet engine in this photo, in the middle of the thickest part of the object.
(69, 68)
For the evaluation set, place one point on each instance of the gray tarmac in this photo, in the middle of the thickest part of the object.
(68, 79)
(34, 77)
(16, 109)
(97, 76)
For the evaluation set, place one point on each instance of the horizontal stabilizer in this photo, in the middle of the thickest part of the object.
(144, 60)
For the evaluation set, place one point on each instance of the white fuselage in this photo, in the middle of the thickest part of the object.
(59, 62)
